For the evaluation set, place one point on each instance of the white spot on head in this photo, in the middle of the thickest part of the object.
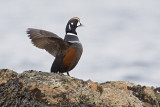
(72, 23)
(78, 24)
(69, 26)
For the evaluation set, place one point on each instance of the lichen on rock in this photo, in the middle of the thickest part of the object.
(42, 89)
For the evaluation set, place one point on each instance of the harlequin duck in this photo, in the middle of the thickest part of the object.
(67, 51)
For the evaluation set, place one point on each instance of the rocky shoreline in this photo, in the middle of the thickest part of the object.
(41, 89)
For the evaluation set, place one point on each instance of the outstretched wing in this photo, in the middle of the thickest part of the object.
(47, 40)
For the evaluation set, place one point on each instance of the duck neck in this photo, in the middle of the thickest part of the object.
(70, 29)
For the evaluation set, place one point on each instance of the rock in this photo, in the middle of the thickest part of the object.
(6, 74)
(42, 89)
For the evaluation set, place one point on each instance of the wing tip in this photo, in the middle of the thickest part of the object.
(29, 30)
(30, 33)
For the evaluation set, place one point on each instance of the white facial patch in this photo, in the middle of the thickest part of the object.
(72, 23)
(78, 24)
(69, 26)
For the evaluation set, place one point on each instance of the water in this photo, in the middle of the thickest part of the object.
(121, 39)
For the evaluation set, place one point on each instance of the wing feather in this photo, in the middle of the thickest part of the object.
(47, 40)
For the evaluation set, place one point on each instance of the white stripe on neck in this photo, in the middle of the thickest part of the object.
(74, 41)
(71, 34)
